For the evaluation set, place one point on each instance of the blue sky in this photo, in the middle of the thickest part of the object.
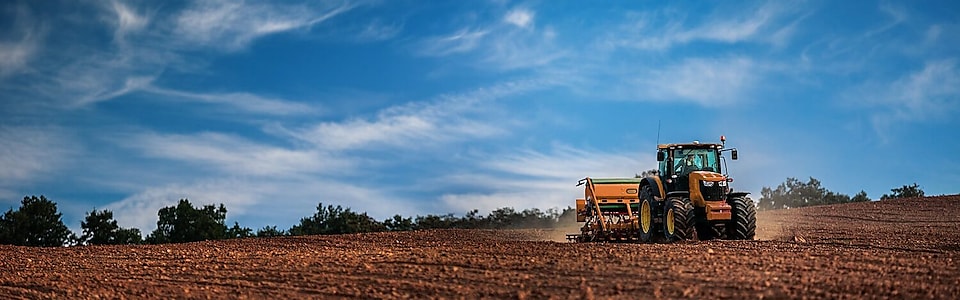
(417, 107)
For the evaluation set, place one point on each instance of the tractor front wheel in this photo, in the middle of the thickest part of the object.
(679, 219)
(646, 218)
(743, 224)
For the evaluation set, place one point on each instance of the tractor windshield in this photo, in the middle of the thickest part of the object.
(689, 160)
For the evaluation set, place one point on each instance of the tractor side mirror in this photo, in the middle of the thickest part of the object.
(733, 154)
(661, 156)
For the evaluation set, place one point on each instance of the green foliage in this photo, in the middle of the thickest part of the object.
(794, 193)
(399, 223)
(184, 223)
(237, 232)
(436, 222)
(270, 231)
(860, 197)
(125, 236)
(99, 228)
(906, 191)
(336, 220)
(36, 223)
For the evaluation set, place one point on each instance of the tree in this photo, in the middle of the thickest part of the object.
(36, 223)
(336, 220)
(795, 193)
(184, 223)
(906, 191)
(860, 197)
(398, 223)
(99, 228)
(237, 232)
(270, 231)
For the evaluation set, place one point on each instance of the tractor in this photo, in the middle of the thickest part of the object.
(689, 197)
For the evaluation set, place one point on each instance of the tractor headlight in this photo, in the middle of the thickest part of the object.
(708, 183)
(722, 183)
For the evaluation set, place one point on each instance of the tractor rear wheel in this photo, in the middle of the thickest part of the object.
(679, 219)
(743, 224)
(646, 217)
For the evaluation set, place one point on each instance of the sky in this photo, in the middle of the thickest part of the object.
(435, 107)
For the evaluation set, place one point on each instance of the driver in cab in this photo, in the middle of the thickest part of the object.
(688, 165)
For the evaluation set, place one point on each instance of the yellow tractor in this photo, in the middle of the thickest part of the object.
(689, 197)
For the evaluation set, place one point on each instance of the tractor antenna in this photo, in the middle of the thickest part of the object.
(658, 132)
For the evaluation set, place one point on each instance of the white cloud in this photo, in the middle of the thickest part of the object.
(513, 44)
(931, 93)
(29, 153)
(234, 155)
(376, 31)
(16, 54)
(98, 78)
(416, 124)
(897, 16)
(140, 210)
(461, 41)
(665, 30)
(245, 102)
(126, 21)
(520, 17)
(542, 180)
(232, 25)
(706, 82)
(146, 45)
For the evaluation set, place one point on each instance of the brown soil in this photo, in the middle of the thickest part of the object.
(892, 249)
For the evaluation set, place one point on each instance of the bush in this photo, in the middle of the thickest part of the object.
(36, 223)
(906, 191)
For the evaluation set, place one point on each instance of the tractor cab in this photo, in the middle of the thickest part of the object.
(679, 163)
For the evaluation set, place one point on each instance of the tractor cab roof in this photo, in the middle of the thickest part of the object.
(694, 145)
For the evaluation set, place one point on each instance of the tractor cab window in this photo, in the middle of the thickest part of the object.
(689, 160)
(663, 164)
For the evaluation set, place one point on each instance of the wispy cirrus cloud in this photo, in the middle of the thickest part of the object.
(666, 29)
(229, 154)
(464, 40)
(514, 43)
(21, 43)
(240, 101)
(232, 25)
(377, 30)
(897, 16)
(709, 82)
(15, 55)
(928, 94)
(147, 43)
(418, 124)
(29, 153)
(125, 20)
(520, 17)
(539, 179)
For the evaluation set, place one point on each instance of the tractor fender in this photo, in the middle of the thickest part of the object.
(737, 194)
(655, 185)
(681, 194)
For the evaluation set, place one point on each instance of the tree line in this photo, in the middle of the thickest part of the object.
(38, 223)
(794, 193)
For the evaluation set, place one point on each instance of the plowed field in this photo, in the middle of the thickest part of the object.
(892, 249)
